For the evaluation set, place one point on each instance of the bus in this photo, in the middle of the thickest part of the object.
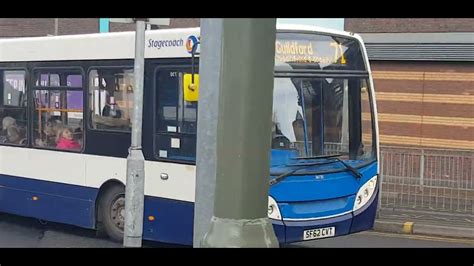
(66, 106)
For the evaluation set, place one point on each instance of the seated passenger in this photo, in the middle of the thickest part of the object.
(78, 133)
(7, 122)
(10, 132)
(65, 140)
(51, 130)
(78, 129)
(14, 135)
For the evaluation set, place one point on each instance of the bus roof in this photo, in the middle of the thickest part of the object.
(163, 43)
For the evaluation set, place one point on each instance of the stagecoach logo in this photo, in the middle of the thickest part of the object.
(190, 44)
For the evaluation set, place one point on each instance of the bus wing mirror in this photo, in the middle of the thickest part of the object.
(191, 87)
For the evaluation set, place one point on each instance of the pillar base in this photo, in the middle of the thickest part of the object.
(241, 233)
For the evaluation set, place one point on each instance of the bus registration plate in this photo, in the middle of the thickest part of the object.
(319, 233)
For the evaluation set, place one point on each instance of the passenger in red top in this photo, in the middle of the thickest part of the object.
(65, 140)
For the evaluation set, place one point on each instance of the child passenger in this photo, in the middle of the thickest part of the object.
(66, 141)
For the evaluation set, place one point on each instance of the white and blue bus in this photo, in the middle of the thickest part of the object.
(65, 114)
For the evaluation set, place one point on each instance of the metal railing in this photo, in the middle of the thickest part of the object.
(437, 181)
(427, 180)
(329, 147)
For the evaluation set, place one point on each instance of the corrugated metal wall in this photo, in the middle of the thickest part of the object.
(421, 52)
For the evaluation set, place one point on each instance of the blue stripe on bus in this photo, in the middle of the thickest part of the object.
(173, 221)
(279, 229)
(75, 205)
(51, 201)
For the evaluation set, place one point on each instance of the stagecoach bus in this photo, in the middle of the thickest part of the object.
(66, 105)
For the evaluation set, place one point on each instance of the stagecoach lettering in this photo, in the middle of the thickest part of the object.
(158, 44)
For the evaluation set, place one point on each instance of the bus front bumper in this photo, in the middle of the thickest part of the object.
(295, 231)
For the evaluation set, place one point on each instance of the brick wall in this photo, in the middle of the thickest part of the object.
(174, 23)
(360, 25)
(425, 104)
(114, 27)
(19, 27)
(25, 27)
(32, 27)
(184, 22)
(78, 25)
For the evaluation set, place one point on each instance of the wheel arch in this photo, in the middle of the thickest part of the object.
(104, 187)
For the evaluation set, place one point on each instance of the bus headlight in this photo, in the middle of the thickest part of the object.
(273, 210)
(365, 193)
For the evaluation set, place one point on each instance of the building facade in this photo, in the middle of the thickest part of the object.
(32, 27)
(424, 78)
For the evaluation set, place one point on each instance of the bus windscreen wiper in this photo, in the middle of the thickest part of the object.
(284, 175)
(350, 168)
(318, 157)
(335, 157)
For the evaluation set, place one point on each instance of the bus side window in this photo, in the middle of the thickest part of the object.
(176, 118)
(58, 110)
(111, 98)
(13, 107)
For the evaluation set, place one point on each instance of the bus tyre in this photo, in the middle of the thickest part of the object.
(112, 212)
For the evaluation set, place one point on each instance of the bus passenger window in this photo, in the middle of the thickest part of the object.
(111, 97)
(58, 99)
(13, 107)
(176, 118)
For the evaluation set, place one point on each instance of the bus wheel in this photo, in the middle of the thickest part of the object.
(112, 212)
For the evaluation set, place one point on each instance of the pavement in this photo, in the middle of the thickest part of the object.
(430, 224)
(17, 231)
